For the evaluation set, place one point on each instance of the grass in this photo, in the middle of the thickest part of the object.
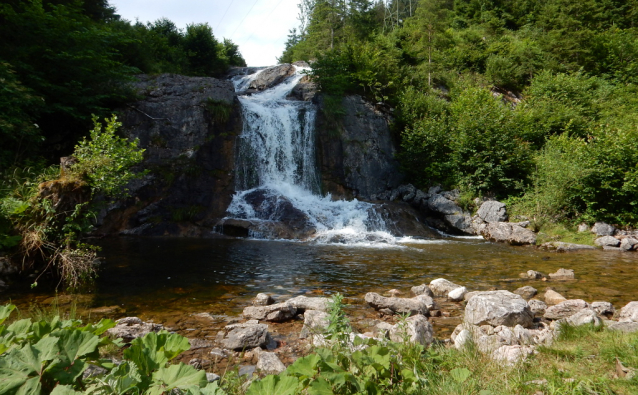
(562, 232)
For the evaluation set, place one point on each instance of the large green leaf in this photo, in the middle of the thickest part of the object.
(460, 375)
(320, 386)
(64, 390)
(20, 369)
(102, 326)
(177, 376)
(5, 312)
(20, 328)
(155, 349)
(75, 343)
(212, 389)
(306, 366)
(274, 385)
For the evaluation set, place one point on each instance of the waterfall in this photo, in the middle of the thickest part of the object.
(277, 180)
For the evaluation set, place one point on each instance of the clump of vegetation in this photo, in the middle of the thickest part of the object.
(46, 215)
(219, 110)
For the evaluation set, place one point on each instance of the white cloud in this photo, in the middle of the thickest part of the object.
(260, 27)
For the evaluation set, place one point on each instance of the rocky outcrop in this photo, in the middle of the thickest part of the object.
(603, 229)
(610, 241)
(275, 312)
(303, 303)
(188, 126)
(272, 76)
(492, 211)
(305, 90)
(498, 308)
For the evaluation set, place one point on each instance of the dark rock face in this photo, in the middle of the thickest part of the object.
(403, 220)
(188, 127)
(358, 160)
(305, 90)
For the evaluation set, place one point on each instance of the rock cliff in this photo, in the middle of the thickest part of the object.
(188, 126)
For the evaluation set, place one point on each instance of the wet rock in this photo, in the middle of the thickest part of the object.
(457, 294)
(610, 248)
(272, 76)
(627, 327)
(461, 222)
(560, 246)
(629, 313)
(315, 322)
(603, 229)
(246, 336)
(263, 300)
(562, 274)
(422, 289)
(498, 308)
(492, 211)
(416, 329)
(607, 241)
(418, 305)
(584, 317)
(303, 303)
(552, 297)
(441, 286)
(507, 233)
(526, 292)
(269, 363)
(603, 308)
(6, 267)
(130, 328)
(305, 90)
(107, 310)
(442, 205)
(538, 307)
(511, 355)
(629, 243)
(565, 309)
(276, 312)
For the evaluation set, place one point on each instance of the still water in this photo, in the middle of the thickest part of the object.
(156, 278)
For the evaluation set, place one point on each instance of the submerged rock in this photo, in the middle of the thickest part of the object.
(560, 246)
(563, 274)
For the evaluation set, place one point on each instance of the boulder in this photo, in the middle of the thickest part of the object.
(565, 309)
(538, 307)
(627, 327)
(498, 308)
(533, 274)
(507, 233)
(584, 317)
(275, 312)
(303, 303)
(130, 328)
(603, 229)
(315, 323)
(492, 211)
(272, 76)
(418, 305)
(441, 286)
(629, 313)
(462, 339)
(212, 377)
(629, 243)
(460, 222)
(269, 363)
(511, 355)
(526, 292)
(603, 308)
(439, 204)
(422, 289)
(6, 267)
(583, 228)
(246, 336)
(263, 300)
(607, 241)
(552, 297)
(457, 294)
(562, 274)
(305, 90)
(415, 329)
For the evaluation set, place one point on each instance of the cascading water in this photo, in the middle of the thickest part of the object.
(277, 179)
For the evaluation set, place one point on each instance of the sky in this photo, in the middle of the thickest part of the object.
(259, 27)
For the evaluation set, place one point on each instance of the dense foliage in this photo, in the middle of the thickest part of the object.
(46, 215)
(523, 99)
(61, 61)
